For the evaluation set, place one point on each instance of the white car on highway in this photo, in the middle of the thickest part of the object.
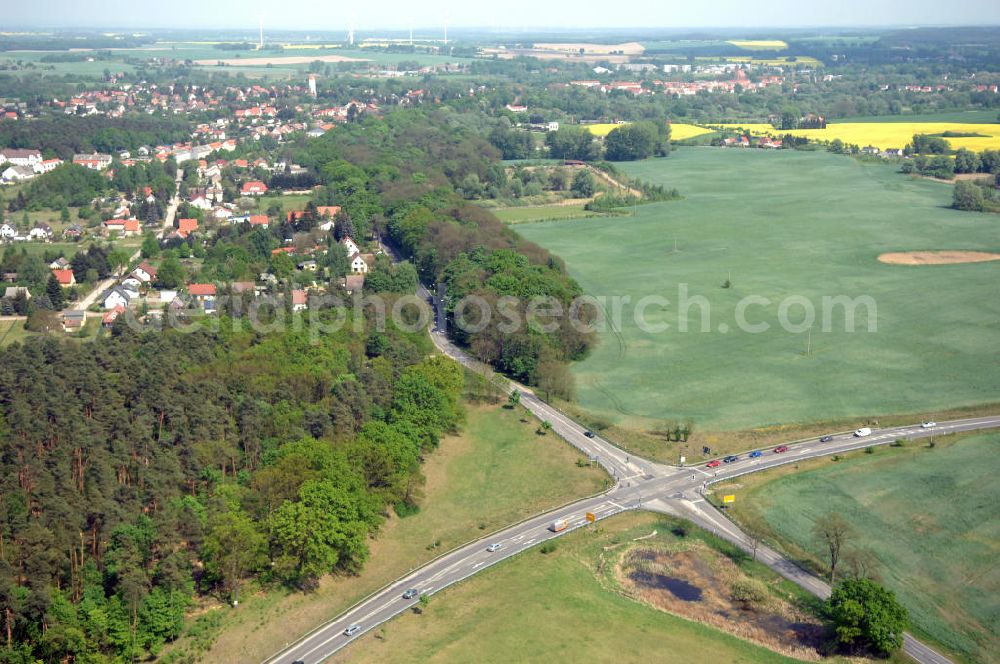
(492, 548)
(862, 432)
(928, 425)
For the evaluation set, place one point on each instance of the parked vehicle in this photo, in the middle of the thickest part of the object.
(780, 448)
(755, 454)
(862, 432)
(558, 525)
(731, 458)
(492, 548)
(826, 439)
(714, 463)
(352, 630)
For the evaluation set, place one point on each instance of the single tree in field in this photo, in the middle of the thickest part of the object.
(514, 398)
(834, 531)
(866, 615)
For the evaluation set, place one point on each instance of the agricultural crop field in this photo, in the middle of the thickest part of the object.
(778, 225)
(601, 129)
(759, 44)
(976, 136)
(524, 215)
(678, 130)
(928, 515)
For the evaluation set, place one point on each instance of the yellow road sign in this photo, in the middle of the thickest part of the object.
(729, 499)
(591, 517)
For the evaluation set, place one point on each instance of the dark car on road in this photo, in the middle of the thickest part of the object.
(731, 458)
(714, 463)
(755, 454)
(826, 439)
(780, 448)
(588, 434)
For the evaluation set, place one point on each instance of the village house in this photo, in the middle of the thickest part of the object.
(65, 277)
(41, 232)
(187, 226)
(20, 157)
(95, 161)
(300, 300)
(7, 231)
(349, 244)
(145, 273)
(109, 318)
(204, 295)
(17, 174)
(361, 263)
(123, 227)
(73, 320)
(115, 297)
(253, 188)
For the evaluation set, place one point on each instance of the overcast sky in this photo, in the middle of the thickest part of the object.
(327, 15)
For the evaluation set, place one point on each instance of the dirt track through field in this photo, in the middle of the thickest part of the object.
(936, 257)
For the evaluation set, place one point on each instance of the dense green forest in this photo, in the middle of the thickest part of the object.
(400, 175)
(64, 135)
(142, 470)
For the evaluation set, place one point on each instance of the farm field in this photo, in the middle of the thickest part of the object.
(926, 514)
(759, 45)
(554, 607)
(496, 472)
(976, 117)
(885, 135)
(782, 228)
(678, 130)
(524, 215)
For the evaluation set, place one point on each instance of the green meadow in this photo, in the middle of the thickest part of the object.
(787, 228)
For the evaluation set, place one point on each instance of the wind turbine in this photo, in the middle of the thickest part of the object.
(261, 47)
(350, 32)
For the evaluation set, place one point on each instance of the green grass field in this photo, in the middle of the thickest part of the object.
(927, 514)
(497, 472)
(557, 607)
(524, 215)
(783, 224)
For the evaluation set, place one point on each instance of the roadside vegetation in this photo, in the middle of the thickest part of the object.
(919, 520)
(573, 603)
(494, 472)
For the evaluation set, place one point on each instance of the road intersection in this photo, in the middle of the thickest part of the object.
(638, 484)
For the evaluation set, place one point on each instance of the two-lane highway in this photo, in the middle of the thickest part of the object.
(638, 484)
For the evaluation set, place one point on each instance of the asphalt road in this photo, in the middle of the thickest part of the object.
(639, 484)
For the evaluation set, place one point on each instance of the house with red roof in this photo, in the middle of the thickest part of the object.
(259, 220)
(253, 188)
(187, 226)
(300, 300)
(124, 227)
(65, 277)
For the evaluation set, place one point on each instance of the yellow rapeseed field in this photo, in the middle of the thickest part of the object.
(885, 135)
(679, 132)
(759, 45)
(600, 129)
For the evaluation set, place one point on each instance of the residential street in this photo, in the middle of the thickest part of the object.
(168, 222)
